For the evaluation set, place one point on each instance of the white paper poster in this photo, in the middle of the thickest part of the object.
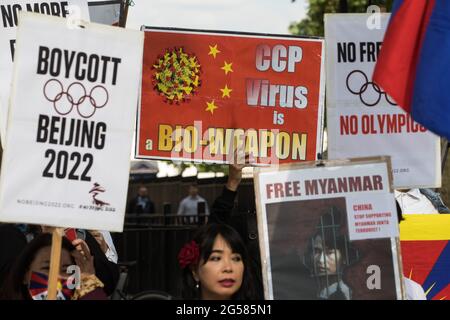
(322, 228)
(370, 203)
(73, 107)
(73, 10)
(364, 121)
(105, 12)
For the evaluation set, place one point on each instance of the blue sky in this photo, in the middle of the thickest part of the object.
(265, 16)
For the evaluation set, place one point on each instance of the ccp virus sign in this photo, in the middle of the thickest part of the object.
(206, 94)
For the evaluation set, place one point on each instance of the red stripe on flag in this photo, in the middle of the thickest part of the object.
(420, 256)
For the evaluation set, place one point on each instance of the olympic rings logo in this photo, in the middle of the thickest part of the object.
(369, 92)
(75, 96)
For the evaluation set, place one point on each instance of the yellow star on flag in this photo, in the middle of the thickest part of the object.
(211, 107)
(213, 51)
(226, 92)
(227, 67)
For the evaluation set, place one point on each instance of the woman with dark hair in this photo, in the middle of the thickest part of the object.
(14, 238)
(28, 278)
(215, 265)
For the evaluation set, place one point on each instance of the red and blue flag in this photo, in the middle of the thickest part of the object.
(414, 65)
(38, 287)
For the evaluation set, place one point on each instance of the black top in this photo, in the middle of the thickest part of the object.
(144, 206)
(246, 225)
(12, 242)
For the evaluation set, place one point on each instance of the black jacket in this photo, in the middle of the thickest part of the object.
(12, 242)
(133, 207)
(108, 272)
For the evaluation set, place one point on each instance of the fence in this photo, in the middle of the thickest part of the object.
(154, 240)
(155, 251)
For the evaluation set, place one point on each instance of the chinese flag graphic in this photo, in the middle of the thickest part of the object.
(206, 94)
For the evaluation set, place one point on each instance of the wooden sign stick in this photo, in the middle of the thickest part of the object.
(55, 260)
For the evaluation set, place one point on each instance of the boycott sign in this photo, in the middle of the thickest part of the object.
(71, 123)
(325, 230)
(363, 120)
(206, 94)
(74, 10)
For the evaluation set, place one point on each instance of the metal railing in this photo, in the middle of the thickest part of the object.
(155, 248)
(162, 220)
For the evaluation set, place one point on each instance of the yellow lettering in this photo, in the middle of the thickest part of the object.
(266, 141)
(190, 139)
(282, 145)
(251, 142)
(299, 147)
(228, 140)
(178, 138)
(238, 139)
(216, 141)
(165, 138)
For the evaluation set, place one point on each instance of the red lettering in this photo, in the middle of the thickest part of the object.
(297, 188)
(269, 190)
(288, 189)
(349, 125)
(279, 190)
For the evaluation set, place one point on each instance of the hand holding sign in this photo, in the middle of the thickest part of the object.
(83, 257)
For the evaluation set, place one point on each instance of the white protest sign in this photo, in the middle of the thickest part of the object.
(105, 12)
(362, 120)
(73, 107)
(344, 207)
(370, 204)
(73, 10)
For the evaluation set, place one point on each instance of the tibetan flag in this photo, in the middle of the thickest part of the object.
(39, 291)
(205, 94)
(425, 251)
(413, 66)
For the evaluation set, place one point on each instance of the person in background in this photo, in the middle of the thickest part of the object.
(28, 278)
(13, 239)
(420, 201)
(106, 243)
(141, 204)
(107, 271)
(189, 206)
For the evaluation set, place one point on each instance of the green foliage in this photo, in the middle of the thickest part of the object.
(312, 25)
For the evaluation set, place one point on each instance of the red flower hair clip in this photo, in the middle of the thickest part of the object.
(189, 254)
